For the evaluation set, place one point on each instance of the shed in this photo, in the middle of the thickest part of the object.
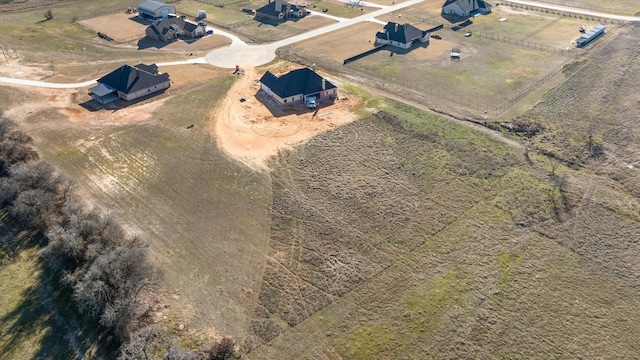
(154, 10)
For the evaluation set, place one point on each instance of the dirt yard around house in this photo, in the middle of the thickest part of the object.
(251, 128)
(120, 26)
(124, 27)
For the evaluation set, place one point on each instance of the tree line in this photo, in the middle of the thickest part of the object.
(104, 268)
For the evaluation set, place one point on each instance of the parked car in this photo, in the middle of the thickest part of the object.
(436, 37)
(467, 34)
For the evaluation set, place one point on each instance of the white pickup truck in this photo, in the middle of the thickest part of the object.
(310, 102)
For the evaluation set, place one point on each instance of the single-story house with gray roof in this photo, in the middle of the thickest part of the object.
(402, 36)
(296, 84)
(129, 83)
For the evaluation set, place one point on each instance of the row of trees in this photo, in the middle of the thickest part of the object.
(104, 268)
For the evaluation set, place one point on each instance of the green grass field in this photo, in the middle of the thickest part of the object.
(401, 235)
(485, 258)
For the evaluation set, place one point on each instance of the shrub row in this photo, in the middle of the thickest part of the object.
(104, 268)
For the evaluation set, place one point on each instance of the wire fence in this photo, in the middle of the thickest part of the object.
(586, 7)
(522, 41)
(594, 18)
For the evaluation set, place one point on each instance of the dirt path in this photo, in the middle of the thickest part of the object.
(255, 129)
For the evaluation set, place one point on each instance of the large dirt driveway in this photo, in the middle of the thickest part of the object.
(255, 129)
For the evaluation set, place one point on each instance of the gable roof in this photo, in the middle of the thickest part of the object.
(404, 33)
(152, 5)
(465, 5)
(172, 24)
(128, 79)
(274, 8)
(300, 81)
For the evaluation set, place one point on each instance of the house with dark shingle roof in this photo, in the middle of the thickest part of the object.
(280, 11)
(465, 8)
(130, 83)
(295, 85)
(403, 36)
(170, 29)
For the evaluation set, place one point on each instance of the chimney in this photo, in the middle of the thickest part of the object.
(324, 84)
(313, 67)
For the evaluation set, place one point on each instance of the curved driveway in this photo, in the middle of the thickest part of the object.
(240, 53)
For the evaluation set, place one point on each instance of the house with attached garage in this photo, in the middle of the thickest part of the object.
(465, 8)
(402, 36)
(129, 83)
(297, 85)
(171, 29)
(155, 10)
(280, 11)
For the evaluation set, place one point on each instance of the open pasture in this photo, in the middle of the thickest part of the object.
(623, 7)
(341, 44)
(341, 9)
(264, 32)
(488, 73)
(220, 15)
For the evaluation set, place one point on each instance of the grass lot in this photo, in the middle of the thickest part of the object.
(67, 51)
(227, 15)
(488, 74)
(598, 101)
(625, 7)
(340, 9)
(401, 235)
(467, 250)
(265, 32)
(164, 178)
(35, 319)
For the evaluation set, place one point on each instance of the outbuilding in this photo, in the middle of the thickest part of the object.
(130, 83)
(155, 10)
(297, 84)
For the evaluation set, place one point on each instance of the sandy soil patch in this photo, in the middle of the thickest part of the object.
(251, 133)
(120, 26)
(343, 43)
